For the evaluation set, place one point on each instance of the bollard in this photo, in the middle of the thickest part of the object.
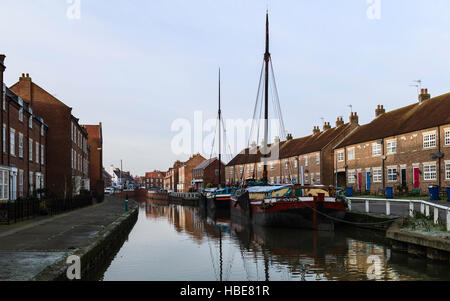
(411, 209)
(388, 208)
(349, 205)
(367, 206)
(436, 215)
(126, 203)
(448, 220)
(422, 208)
(427, 210)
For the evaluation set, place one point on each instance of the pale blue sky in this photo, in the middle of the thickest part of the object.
(138, 65)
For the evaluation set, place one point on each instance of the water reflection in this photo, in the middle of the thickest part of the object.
(190, 243)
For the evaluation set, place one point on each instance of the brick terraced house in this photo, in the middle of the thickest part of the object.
(23, 166)
(95, 144)
(185, 179)
(68, 149)
(207, 172)
(306, 160)
(407, 149)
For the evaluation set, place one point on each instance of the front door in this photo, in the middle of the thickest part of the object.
(359, 181)
(368, 181)
(403, 177)
(416, 177)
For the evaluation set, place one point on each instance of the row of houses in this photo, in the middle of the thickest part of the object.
(193, 175)
(405, 149)
(44, 146)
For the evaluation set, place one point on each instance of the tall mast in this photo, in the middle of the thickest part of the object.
(266, 98)
(220, 137)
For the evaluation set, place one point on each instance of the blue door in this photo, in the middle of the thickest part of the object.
(368, 181)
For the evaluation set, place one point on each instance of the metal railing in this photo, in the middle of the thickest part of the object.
(187, 195)
(372, 205)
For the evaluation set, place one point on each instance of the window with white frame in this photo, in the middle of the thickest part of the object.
(4, 184)
(272, 167)
(71, 157)
(30, 182)
(21, 114)
(318, 178)
(286, 165)
(295, 163)
(429, 172)
(42, 130)
(392, 174)
(306, 179)
(391, 147)
(20, 145)
(377, 175)
(4, 138)
(376, 149)
(351, 154)
(318, 159)
(306, 161)
(20, 183)
(272, 180)
(12, 134)
(30, 122)
(30, 149)
(42, 154)
(37, 152)
(429, 140)
(447, 171)
(351, 174)
(340, 156)
(312, 178)
(447, 137)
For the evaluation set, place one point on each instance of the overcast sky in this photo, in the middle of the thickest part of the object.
(138, 65)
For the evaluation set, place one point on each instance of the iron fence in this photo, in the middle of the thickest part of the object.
(24, 209)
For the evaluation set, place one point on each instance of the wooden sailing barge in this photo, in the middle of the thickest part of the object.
(292, 206)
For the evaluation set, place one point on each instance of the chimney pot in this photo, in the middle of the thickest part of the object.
(2, 58)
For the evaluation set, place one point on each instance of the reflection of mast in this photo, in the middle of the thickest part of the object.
(266, 264)
(220, 255)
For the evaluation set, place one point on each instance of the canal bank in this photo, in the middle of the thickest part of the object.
(38, 250)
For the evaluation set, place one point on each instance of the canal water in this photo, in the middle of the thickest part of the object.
(176, 243)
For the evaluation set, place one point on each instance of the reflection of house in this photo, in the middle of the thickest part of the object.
(406, 148)
(207, 172)
(68, 150)
(185, 182)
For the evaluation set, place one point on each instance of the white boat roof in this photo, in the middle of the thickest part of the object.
(264, 189)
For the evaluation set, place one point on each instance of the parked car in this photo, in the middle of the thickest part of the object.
(109, 190)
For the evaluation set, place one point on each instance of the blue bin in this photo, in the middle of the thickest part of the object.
(389, 192)
(448, 194)
(349, 191)
(434, 192)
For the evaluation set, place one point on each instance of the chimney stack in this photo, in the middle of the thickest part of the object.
(354, 119)
(424, 96)
(316, 130)
(326, 126)
(380, 110)
(289, 137)
(339, 121)
(26, 88)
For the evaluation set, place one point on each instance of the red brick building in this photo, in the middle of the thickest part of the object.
(154, 180)
(185, 179)
(68, 150)
(306, 160)
(23, 166)
(407, 148)
(207, 172)
(95, 143)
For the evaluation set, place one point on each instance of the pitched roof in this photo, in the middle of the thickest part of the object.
(310, 144)
(415, 117)
(253, 156)
(206, 163)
